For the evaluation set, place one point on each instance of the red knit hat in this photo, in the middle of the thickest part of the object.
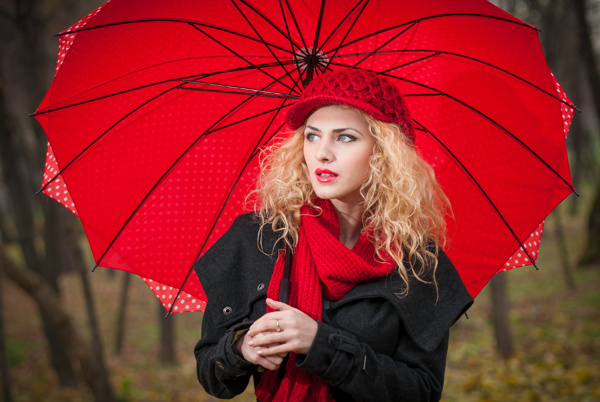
(360, 89)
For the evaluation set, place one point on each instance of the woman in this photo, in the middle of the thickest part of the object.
(372, 295)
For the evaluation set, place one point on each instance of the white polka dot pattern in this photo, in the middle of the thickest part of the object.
(521, 258)
(57, 190)
(65, 41)
(168, 295)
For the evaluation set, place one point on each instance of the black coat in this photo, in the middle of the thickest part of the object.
(372, 345)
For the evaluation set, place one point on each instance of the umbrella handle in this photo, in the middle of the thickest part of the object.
(284, 285)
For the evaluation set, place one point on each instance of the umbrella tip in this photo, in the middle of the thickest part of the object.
(169, 311)
(95, 266)
(466, 315)
(31, 115)
(39, 191)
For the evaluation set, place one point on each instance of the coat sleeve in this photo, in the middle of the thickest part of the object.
(234, 275)
(221, 372)
(354, 367)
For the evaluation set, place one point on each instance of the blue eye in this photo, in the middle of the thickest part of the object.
(311, 137)
(347, 138)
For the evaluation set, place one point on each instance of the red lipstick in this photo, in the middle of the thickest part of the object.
(325, 175)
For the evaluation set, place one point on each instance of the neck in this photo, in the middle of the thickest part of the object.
(350, 217)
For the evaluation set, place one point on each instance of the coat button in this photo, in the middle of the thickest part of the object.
(227, 310)
(260, 286)
(220, 365)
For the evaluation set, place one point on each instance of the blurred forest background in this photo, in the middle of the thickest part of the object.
(69, 335)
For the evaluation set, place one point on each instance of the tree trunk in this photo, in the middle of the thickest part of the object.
(42, 293)
(16, 179)
(71, 238)
(586, 50)
(500, 310)
(6, 388)
(97, 346)
(563, 250)
(167, 338)
(122, 312)
(591, 253)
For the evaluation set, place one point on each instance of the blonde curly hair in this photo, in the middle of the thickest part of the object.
(404, 206)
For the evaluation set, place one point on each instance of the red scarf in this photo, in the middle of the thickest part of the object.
(322, 265)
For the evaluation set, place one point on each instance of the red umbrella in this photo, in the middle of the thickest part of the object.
(158, 111)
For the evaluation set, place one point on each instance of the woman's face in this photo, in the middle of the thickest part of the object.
(337, 148)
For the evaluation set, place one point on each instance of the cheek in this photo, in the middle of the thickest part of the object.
(306, 152)
(362, 166)
(307, 160)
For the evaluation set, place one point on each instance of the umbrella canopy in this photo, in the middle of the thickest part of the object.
(158, 111)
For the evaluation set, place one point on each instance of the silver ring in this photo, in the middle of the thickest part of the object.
(278, 329)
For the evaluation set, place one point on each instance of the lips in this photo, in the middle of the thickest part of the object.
(325, 175)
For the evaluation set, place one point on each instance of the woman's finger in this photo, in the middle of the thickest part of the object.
(266, 324)
(269, 362)
(250, 353)
(278, 306)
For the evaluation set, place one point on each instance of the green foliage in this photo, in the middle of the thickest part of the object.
(15, 352)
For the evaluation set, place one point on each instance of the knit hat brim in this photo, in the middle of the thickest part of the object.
(299, 112)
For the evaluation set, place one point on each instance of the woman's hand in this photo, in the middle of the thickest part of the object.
(250, 353)
(283, 331)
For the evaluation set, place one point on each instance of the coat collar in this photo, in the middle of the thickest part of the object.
(426, 313)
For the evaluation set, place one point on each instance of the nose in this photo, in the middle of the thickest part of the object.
(324, 152)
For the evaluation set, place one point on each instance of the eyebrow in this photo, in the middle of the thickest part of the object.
(336, 130)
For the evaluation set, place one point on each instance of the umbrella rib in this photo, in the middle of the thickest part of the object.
(176, 79)
(340, 45)
(265, 18)
(438, 52)
(179, 21)
(485, 194)
(310, 68)
(267, 45)
(257, 92)
(487, 64)
(292, 44)
(295, 23)
(102, 135)
(223, 204)
(488, 118)
(248, 118)
(435, 53)
(241, 57)
(192, 145)
(345, 18)
(369, 54)
(416, 21)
